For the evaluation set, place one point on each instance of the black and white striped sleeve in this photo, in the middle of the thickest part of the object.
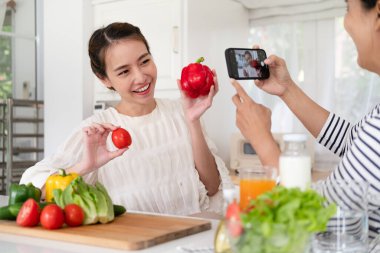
(336, 134)
(360, 162)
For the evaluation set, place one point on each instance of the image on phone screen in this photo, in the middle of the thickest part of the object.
(245, 63)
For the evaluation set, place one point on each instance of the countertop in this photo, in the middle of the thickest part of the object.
(10, 243)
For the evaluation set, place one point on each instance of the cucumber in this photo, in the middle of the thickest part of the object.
(10, 212)
(118, 210)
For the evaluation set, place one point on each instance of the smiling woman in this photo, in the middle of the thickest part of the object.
(171, 166)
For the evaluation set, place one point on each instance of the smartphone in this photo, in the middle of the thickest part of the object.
(246, 63)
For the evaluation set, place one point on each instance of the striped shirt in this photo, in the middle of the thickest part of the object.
(359, 148)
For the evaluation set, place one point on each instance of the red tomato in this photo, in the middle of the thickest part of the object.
(74, 215)
(29, 214)
(234, 225)
(52, 217)
(121, 138)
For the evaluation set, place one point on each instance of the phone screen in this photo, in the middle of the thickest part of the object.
(246, 63)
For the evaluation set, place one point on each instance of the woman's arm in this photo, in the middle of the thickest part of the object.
(254, 122)
(312, 115)
(203, 158)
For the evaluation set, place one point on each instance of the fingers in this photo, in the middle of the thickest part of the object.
(240, 91)
(256, 46)
(216, 84)
(236, 100)
(273, 60)
(212, 93)
(97, 128)
(180, 89)
(117, 153)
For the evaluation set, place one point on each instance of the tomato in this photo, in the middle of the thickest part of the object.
(52, 217)
(74, 215)
(234, 225)
(121, 138)
(29, 214)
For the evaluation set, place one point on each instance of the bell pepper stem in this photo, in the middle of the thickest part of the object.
(200, 59)
(62, 172)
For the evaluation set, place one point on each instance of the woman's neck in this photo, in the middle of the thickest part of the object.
(135, 109)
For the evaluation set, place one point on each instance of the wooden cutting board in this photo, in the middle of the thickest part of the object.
(131, 231)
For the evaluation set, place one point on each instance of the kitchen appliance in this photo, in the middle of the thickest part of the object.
(243, 155)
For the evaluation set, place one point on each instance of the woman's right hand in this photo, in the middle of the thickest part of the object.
(279, 79)
(95, 152)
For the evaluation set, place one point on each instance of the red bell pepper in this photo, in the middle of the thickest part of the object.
(196, 79)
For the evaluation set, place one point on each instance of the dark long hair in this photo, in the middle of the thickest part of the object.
(102, 38)
(369, 4)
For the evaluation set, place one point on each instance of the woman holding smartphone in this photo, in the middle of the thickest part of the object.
(357, 145)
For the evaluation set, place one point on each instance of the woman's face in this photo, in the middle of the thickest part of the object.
(131, 71)
(361, 25)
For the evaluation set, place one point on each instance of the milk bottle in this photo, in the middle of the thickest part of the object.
(295, 162)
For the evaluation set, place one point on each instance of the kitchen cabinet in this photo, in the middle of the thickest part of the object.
(21, 125)
(160, 22)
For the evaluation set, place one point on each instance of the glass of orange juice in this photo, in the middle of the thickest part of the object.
(255, 181)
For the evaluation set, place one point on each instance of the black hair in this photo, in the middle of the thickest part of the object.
(369, 4)
(102, 38)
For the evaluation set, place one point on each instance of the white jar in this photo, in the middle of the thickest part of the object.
(295, 162)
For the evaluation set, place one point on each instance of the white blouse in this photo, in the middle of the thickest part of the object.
(156, 174)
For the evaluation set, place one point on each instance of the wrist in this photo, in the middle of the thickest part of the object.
(289, 90)
(78, 168)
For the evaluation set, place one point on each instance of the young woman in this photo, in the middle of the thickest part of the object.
(171, 166)
(358, 145)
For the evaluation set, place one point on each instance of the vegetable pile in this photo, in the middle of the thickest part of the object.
(94, 200)
(281, 221)
(74, 203)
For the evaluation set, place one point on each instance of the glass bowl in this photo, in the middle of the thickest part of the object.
(260, 238)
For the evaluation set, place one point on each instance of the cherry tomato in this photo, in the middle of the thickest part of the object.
(74, 215)
(52, 217)
(29, 214)
(234, 225)
(121, 138)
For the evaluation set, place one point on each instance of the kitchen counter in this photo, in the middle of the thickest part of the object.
(10, 243)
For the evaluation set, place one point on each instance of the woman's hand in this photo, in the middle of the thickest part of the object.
(95, 152)
(252, 119)
(279, 78)
(254, 122)
(194, 108)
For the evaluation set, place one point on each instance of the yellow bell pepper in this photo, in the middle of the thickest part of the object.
(58, 181)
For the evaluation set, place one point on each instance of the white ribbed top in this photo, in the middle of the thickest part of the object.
(156, 174)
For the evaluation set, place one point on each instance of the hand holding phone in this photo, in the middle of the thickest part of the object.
(246, 63)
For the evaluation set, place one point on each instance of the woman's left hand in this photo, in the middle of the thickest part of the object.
(194, 108)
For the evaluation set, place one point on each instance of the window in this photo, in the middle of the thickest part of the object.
(18, 71)
(321, 58)
(6, 58)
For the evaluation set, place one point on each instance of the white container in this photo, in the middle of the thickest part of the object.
(295, 162)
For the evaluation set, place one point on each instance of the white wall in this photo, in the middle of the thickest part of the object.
(67, 99)
(217, 25)
(226, 25)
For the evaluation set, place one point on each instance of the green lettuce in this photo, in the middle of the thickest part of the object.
(282, 221)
